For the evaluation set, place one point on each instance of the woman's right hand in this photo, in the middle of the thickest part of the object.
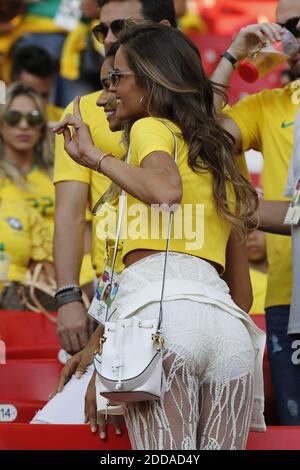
(95, 419)
(78, 141)
(77, 365)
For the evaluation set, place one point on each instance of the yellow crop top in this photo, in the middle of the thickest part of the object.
(198, 230)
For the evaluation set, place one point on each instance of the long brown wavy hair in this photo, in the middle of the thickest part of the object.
(168, 65)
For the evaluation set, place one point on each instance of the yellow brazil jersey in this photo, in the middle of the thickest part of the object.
(75, 43)
(25, 236)
(197, 229)
(259, 283)
(65, 169)
(40, 24)
(54, 113)
(38, 193)
(266, 123)
(23, 25)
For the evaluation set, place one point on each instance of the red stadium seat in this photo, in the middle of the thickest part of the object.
(228, 16)
(58, 437)
(79, 437)
(26, 385)
(259, 321)
(28, 335)
(276, 438)
(210, 47)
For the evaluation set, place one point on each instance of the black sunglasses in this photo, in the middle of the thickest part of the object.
(291, 26)
(106, 83)
(13, 118)
(100, 31)
(116, 75)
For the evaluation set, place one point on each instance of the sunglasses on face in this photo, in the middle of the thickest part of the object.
(106, 83)
(101, 30)
(291, 26)
(13, 118)
(116, 75)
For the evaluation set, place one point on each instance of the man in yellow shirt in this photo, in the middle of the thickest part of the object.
(264, 122)
(74, 183)
(258, 263)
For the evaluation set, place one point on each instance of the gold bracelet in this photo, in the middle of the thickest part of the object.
(98, 164)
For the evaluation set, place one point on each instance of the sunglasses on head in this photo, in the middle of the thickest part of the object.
(101, 30)
(13, 118)
(291, 26)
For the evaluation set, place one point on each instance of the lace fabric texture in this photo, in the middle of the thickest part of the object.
(207, 391)
(212, 386)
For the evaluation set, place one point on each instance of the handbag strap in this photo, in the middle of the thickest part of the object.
(119, 227)
(168, 239)
(118, 233)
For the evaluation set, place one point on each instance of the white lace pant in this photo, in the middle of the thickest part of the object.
(207, 392)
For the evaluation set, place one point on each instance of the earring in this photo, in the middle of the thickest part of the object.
(142, 99)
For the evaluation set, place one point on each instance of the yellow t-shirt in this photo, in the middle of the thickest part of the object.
(266, 123)
(25, 235)
(39, 194)
(192, 22)
(74, 44)
(54, 113)
(65, 169)
(197, 229)
(40, 24)
(259, 282)
(23, 25)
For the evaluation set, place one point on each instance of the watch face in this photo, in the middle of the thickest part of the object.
(10, 8)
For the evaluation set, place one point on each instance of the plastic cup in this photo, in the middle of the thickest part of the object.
(264, 59)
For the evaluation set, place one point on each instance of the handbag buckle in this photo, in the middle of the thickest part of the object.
(158, 341)
(100, 347)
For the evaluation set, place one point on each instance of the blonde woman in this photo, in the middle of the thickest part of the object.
(26, 153)
(26, 192)
(26, 161)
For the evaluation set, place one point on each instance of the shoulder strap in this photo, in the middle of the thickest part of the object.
(119, 226)
(168, 238)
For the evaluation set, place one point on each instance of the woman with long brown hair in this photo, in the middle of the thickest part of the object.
(211, 380)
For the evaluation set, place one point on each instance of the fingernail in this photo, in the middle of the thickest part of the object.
(78, 375)
(94, 428)
(102, 435)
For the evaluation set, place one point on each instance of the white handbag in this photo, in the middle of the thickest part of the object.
(130, 366)
(129, 360)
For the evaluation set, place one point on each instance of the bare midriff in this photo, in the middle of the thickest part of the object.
(137, 255)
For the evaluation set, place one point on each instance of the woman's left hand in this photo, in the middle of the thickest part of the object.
(78, 141)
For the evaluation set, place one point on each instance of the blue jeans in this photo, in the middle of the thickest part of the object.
(285, 375)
